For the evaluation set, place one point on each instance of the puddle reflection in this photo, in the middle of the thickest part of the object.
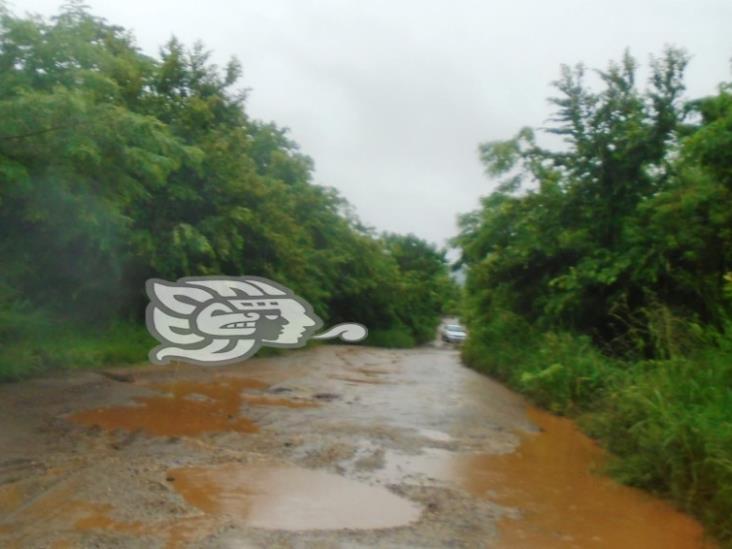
(291, 498)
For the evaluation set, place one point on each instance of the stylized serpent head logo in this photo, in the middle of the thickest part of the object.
(220, 320)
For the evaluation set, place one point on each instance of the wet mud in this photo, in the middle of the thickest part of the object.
(184, 408)
(331, 447)
(555, 479)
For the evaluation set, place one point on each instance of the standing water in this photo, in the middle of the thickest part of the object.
(564, 503)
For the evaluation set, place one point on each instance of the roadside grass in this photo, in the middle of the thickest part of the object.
(667, 423)
(32, 343)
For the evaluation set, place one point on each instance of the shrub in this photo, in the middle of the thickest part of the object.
(397, 338)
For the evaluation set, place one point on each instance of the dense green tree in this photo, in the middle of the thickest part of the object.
(424, 284)
(599, 275)
(581, 236)
(116, 166)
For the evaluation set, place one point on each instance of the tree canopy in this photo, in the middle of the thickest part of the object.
(631, 213)
(116, 166)
(598, 275)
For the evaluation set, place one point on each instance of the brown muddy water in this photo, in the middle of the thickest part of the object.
(331, 447)
(188, 408)
(552, 478)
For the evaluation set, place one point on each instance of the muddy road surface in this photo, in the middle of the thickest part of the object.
(335, 446)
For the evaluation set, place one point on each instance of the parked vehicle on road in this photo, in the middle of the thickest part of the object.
(453, 333)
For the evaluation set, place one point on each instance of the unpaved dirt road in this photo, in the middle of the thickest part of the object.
(335, 446)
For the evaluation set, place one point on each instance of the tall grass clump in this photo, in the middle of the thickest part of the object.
(558, 370)
(669, 425)
(33, 342)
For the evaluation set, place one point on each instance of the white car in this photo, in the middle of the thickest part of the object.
(453, 333)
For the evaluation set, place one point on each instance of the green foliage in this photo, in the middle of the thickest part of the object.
(670, 425)
(425, 285)
(397, 338)
(47, 344)
(599, 276)
(559, 371)
(629, 215)
(116, 167)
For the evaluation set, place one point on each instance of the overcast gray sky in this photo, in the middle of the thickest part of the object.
(391, 98)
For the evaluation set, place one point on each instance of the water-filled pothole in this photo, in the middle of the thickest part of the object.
(189, 408)
(285, 497)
